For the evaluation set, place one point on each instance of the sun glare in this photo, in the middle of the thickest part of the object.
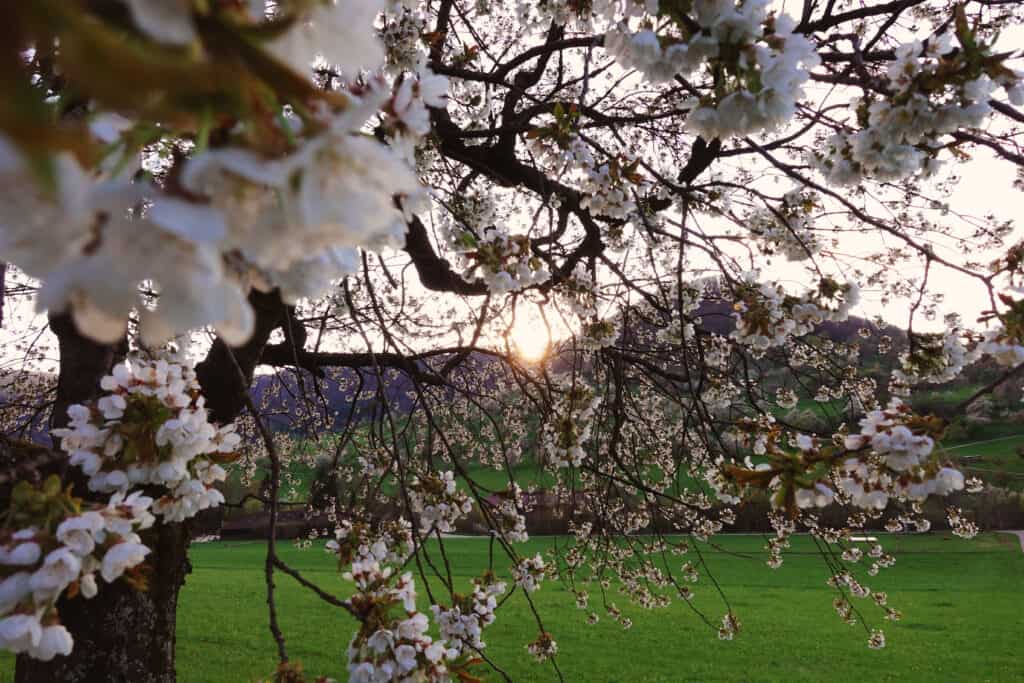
(529, 340)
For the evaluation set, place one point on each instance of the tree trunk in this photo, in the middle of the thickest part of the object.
(3, 290)
(222, 386)
(83, 363)
(123, 634)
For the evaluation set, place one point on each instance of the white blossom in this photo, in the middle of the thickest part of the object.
(337, 32)
(54, 640)
(121, 557)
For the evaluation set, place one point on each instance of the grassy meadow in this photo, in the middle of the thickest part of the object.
(960, 600)
(961, 603)
(997, 461)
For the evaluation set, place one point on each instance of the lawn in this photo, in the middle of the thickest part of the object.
(961, 601)
(994, 459)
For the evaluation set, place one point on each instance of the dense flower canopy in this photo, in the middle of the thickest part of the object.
(685, 198)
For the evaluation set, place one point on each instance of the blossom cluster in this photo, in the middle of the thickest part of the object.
(730, 626)
(788, 229)
(150, 428)
(437, 500)
(1003, 348)
(543, 648)
(687, 299)
(400, 34)
(56, 547)
(284, 198)
(391, 647)
(891, 458)
(561, 148)
(899, 465)
(297, 220)
(414, 92)
(102, 248)
(599, 334)
(786, 398)
(356, 542)
(762, 64)
(393, 643)
(608, 188)
(564, 435)
(505, 261)
(933, 89)
(462, 625)
(509, 521)
(579, 292)
(934, 358)
(767, 316)
(529, 573)
(960, 525)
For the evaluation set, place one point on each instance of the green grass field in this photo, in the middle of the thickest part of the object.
(961, 601)
(995, 461)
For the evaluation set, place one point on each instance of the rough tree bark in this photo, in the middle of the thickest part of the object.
(124, 635)
(3, 290)
(82, 363)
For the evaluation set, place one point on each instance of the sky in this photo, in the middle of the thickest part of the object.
(985, 185)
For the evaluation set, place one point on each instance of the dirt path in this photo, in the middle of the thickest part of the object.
(1019, 535)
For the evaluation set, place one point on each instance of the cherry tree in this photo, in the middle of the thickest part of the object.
(609, 236)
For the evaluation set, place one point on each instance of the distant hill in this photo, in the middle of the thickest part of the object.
(292, 400)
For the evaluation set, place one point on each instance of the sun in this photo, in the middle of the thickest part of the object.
(529, 340)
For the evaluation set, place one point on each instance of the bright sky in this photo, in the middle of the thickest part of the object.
(985, 186)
